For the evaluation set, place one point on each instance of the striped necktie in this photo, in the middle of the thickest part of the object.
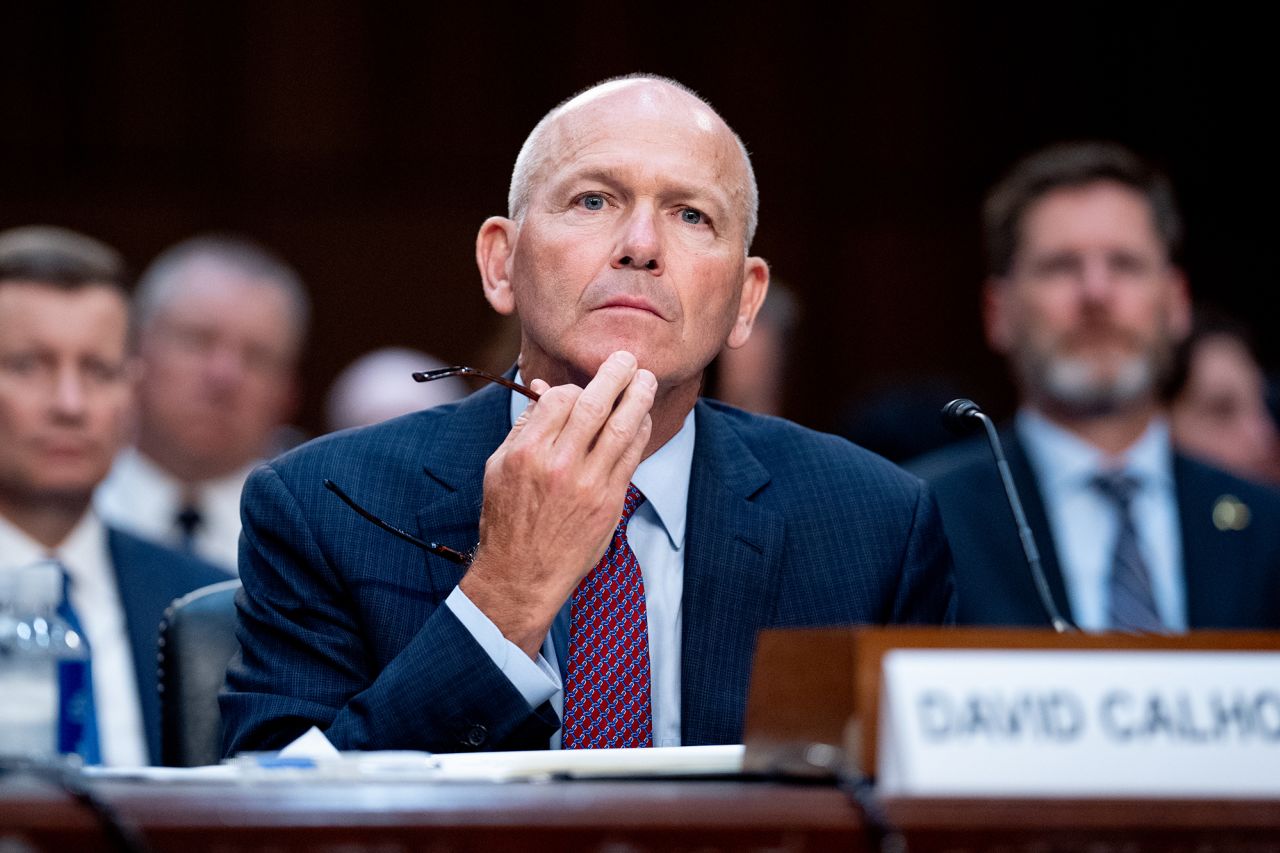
(606, 694)
(1131, 604)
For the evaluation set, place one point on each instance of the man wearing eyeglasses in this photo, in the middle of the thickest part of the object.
(629, 539)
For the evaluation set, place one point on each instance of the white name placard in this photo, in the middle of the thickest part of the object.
(961, 722)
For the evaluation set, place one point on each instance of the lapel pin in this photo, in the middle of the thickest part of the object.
(1230, 513)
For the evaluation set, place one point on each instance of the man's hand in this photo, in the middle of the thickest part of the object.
(553, 493)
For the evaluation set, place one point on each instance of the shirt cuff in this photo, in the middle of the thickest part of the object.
(537, 681)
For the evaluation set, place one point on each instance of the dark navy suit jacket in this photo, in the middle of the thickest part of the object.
(1232, 576)
(341, 625)
(149, 577)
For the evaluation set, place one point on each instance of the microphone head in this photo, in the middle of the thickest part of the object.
(959, 415)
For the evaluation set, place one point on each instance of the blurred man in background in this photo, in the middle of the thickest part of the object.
(220, 324)
(1218, 400)
(65, 390)
(754, 375)
(1084, 299)
(379, 386)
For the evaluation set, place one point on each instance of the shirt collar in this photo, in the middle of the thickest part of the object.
(1063, 459)
(81, 547)
(150, 477)
(663, 477)
(154, 480)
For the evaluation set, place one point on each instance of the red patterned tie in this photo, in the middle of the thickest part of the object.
(606, 694)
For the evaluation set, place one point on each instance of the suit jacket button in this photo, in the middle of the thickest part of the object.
(476, 735)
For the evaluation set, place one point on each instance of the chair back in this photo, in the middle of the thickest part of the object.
(197, 641)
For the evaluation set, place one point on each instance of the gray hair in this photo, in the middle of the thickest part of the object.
(162, 280)
(59, 257)
(534, 154)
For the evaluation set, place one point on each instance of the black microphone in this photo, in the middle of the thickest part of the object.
(961, 413)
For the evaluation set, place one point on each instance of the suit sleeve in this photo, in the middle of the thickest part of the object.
(304, 660)
(926, 591)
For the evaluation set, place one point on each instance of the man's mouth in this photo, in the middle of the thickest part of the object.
(67, 449)
(1093, 340)
(634, 303)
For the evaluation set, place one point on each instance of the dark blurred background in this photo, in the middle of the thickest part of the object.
(366, 143)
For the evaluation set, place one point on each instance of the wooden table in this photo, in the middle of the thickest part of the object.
(1085, 826)
(618, 817)
(489, 818)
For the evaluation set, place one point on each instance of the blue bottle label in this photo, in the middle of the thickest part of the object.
(73, 705)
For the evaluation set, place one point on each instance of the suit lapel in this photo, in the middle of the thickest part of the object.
(730, 567)
(142, 598)
(1037, 519)
(453, 465)
(1207, 551)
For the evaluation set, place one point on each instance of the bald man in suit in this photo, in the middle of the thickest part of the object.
(630, 540)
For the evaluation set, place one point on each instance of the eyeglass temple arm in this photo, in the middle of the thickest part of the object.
(432, 547)
(460, 370)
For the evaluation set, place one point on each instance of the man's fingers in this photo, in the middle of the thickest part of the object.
(632, 454)
(595, 403)
(543, 418)
(550, 412)
(538, 387)
(619, 431)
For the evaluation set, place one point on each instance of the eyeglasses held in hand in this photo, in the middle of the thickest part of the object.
(445, 551)
(459, 370)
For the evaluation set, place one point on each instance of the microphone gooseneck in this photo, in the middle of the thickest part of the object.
(960, 413)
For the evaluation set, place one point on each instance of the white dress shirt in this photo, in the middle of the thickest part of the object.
(141, 497)
(96, 599)
(1084, 521)
(656, 533)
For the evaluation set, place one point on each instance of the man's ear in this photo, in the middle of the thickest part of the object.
(1179, 305)
(495, 247)
(755, 284)
(135, 373)
(290, 399)
(997, 319)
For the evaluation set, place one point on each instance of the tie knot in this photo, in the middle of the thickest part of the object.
(634, 498)
(1118, 486)
(189, 519)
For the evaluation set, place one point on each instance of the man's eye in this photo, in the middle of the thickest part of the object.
(691, 216)
(592, 202)
(20, 364)
(1056, 265)
(194, 339)
(1123, 262)
(103, 372)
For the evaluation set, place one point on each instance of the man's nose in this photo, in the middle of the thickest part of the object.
(1097, 280)
(225, 366)
(69, 394)
(639, 244)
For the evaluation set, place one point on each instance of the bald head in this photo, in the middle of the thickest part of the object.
(633, 97)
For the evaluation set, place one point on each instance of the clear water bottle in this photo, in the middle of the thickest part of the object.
(43, 667)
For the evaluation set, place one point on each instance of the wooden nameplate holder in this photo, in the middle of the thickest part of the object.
(812, 707)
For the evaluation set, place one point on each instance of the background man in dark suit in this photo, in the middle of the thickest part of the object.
(65, 389)
(1086, 302)
(632, 208)
(220, 324)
